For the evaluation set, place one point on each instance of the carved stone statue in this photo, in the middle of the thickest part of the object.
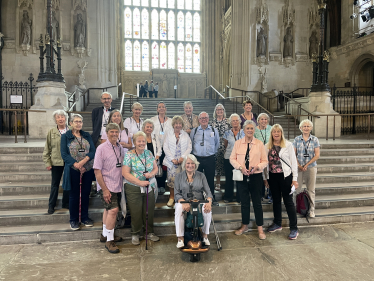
(264, 81)
(288, 43)
(165, 88)
(314, 42)
(261, 42)
(80, 32)
(55, 28)
(26, 29)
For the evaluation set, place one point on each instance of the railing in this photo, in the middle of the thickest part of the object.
(304, 93)
(132, 99)
(299, 108)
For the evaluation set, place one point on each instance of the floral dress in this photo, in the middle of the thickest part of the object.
(275, 165)
(222, 127)
(175, 169)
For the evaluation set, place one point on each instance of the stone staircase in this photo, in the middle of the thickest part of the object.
(345, 193)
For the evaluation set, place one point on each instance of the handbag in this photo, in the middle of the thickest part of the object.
(189, 219)
(237, 175)
(160, 171)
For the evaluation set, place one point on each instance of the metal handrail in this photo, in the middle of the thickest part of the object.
(123, 97)
(291, 93)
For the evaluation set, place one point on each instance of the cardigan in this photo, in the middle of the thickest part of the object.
(170, 147)
(199, 184)
(66, 139)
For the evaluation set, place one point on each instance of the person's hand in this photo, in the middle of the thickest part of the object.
(245, 171)
(252, 170)
(301, 168)
(82, 170)
(77, 165)
(148, 175)
(295, 183)
(157, 157)
(186, 207)
(49, 168)
(107, 196)
(144, 183)
(174, 161)
(208, 207)
(180, 161)
(266, 183)
(305, 168)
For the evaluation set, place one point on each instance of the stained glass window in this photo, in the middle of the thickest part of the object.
(154, 18)
(128, 23)
(145, 24)
(188, 27)
(128, 55)
(171, 26)
(145, 3)
(171, 4)
(145, 56)
(154, 55)
(188, 58)
(196, 27)
(180, 4)
(154, 3)
(196, 58)
(136, 2)
(163, 29)
(171, 56)
(188, 5)
(180, 57)
(196, 5)
(137, 56)
(163, 4)
(180, 26)
(163, 56)
(127, 2)
(136, 21)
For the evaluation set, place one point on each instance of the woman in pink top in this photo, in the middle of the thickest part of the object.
(249, 156)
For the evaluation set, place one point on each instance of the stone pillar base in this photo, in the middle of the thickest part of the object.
(50, 97)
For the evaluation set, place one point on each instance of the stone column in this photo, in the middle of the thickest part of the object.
(50, 97)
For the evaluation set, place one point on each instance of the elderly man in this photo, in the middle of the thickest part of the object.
(108, 171)
(205, 143)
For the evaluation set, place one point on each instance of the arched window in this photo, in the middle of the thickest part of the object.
(136, 2)
(171, 56)
(154, 55)
(163, 29)
(163, 4)
(180, 57)
(180, 4)
(145, 24)
(128, 55)
(128, 23)
(145, 56)
(196, 58)
(171, 4)
(196, 27)
(196, 5)
(188, 27)
(171, 26)
(180, 26)
(136, 21)
(154, 18)
(163, 56)
(188, 58)
(137, 56)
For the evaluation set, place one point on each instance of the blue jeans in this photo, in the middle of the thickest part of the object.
(74, 194)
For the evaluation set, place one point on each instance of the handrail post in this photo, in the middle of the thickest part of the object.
(25, 125)
(15, 126)
(288, 125)
(327, 127)
(333, 138)
(369, 116)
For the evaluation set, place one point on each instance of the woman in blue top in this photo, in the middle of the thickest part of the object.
(229, 138)
(78, 152)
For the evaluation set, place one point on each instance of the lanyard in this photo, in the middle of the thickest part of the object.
(236, 134)
(264, 138)
(162, 128)
(80, 143)
(120, 154)
(137, 124)
(145, 161)
(193, 177)
(307, 146)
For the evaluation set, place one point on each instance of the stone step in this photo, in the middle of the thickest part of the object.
(344, 177)
(21, 150)
(344, 168)
(35, 157)
(19, 188)
(353, 145)
(348, 160)
(22, 167)
(347, 152)
(9, 177)
(60, 231)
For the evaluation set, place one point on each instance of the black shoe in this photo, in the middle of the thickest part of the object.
(74, 225)
(215, 203)
(65, 207)
(51, 211)
(88, 222)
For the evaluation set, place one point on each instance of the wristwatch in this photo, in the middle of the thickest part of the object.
(240, 168)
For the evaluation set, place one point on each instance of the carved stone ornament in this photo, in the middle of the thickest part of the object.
(25, 3)
(262, 13)
(80, 4)
(302, 57)
(288, 14)
(326, 56)
(56, 4)
(313, 17)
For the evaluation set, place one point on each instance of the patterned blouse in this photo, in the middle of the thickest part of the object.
(187, 122)
(74, 148)
(137, 163)
(275, 165)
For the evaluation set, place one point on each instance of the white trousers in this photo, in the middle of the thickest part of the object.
(179, 220)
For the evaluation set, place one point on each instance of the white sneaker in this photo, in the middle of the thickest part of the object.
(180, 244)
(206, 241)
(153, 237)
(135, 240)
(312, 214)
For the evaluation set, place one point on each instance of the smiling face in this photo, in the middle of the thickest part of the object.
(190, 166)
(248, 107)
(306, 128)
(235, 122)
(204, 119)
(140, 143)
(148, 128)
(276, 135)
(106, 100)
(161, 109)
(77, 124)
(60, 120)
(137, 111)
(249, 130)
(113, 135)
(188, 109)
(263, 122)
(116, 118)
(177, 127)
(219, 112)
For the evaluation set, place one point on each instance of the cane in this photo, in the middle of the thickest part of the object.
(80, 198)
(146, 221)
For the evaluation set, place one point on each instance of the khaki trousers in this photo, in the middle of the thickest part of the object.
(309, 177)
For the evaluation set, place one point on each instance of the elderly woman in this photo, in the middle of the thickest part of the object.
(78, 152)
(248, 115)
(229, 138)
(123, 138)
(282, 177)
(139, 170)
(190, 120)
(177, 146)
(249, 156)
(307, 151)
(220, 122)
(53, 161)
(134, 124)
(191, 181)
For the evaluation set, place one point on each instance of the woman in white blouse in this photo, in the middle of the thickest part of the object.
(153, 143)
(134, 123)
(177, 145)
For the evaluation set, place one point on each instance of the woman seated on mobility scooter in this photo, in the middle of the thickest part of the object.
(191, 179)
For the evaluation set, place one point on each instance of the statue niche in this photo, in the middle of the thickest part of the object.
(261, 43)
(288, 43)
(26, 29)
(314, 42)
(55, 28)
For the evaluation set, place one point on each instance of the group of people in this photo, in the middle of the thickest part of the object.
(136, 157)
(150, 89)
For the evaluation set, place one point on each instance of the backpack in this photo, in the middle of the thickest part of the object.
(303, 203)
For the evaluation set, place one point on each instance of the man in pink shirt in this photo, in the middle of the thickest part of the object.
(108, 171)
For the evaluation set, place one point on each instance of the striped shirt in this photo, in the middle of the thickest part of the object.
(106, 158)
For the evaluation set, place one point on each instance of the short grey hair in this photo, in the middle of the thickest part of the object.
(136, 104)
(249, 122)
(107, 94)
(235, 115)
(187, 103)
(60, 112)
(215, 109)
(74, 116)
(193, 158)
(203, 113)
(263, 115)
(305, 121)
(139, 134)
(148, 121)
(112, 126)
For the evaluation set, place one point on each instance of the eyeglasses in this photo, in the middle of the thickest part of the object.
(77, 122)
(204, 118)
(106, 98)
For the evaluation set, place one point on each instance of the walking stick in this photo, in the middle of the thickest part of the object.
(219, 246)
(80, 198)
(146, 221)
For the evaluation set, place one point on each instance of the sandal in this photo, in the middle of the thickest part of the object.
(261, 235)
(240, 231)
(218, 187)
(170, 203)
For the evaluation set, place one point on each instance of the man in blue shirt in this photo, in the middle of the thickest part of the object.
(205, 143)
